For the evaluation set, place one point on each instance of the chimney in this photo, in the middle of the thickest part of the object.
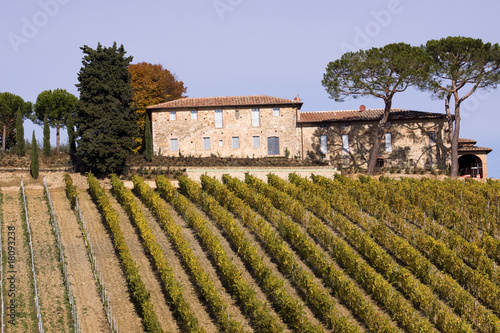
(297, 98)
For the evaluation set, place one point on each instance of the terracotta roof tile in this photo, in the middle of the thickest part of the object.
(368, 114)
(198, 102)
(463, 140)
(474, 149)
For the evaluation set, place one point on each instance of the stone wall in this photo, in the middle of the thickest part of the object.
(410, 147)
(236, 123)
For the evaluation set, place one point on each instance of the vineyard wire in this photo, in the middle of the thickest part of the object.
(37, 303)
(55, 226)
(1, 268)
(113, 324)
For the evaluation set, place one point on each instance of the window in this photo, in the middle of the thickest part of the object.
(221, 143)
(218, 118)
(173, 115)
(237, 114)
(273, 145)
(276, 111)
(380, 163)
(194, 114)
(173, 145)
(388, 142)
(206, 143)
(236, 142)
(255, 117)
(345, 143)
(432, 137)
(256, 141)
(323, 145)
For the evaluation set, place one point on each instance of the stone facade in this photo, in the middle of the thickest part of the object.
(252, 126)
(472, 161)
(261, 126)
(418, 140)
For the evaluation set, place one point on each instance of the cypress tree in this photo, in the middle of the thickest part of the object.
(46, 136)
(71, 137)
(148, 141)
(35, 164)
(105, 118)
(20, 143)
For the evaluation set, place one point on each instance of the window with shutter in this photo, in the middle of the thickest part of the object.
(273, 145)
(206, 143)
(256, 141)
(323, 145)
(173, 145)
(345, 143)
(236, 142)
(388, 142)
(255, 117)
(218, 118)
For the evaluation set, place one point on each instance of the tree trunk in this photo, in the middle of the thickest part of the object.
(58, 138)
(4, 138)
(372, 162)
(455, 134)
(451, 131)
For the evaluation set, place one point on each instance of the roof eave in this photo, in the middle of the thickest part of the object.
(475, 150)
(367, 119)
(158, 108)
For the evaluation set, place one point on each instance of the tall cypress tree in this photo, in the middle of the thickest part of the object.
(46, 136)
(71, 137)
(35, 164)
(105, 119)
(20, 144)
(148, 141)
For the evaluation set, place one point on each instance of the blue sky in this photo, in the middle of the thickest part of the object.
(241, 47)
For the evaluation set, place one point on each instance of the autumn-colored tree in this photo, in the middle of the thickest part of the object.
(152, 84)
(148, 142)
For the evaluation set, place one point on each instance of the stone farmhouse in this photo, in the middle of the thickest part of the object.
(262, 126)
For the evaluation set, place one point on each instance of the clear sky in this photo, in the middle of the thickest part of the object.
(241, 47)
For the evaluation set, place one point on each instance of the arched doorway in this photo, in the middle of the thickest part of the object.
(470, 165)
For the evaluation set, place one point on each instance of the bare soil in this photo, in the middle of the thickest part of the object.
(54, 304)
(89, 305)
(146, 270)
(269, 263)
(23, 317)
(240, 265)
(182, 277)
(110, 268)
(90, 311)
(342, 310)
(207, 266)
